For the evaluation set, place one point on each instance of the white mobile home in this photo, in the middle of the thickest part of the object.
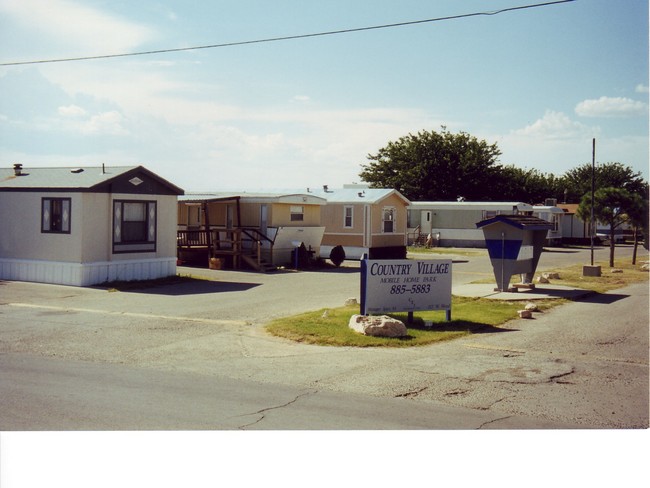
(86, 225)
(453, 224)
(555, 216)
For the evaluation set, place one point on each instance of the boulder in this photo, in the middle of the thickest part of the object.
(551, 276)
(541, 279)
(351, 301)
(379, 326)
(525, 314)
(532, 307)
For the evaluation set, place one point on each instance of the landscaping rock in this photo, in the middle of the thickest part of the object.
(541, 279)
(551, 276)
(532, 307)
(378, 326)
(351, 301)
(525, 314)
(645, 267)
(616, 270)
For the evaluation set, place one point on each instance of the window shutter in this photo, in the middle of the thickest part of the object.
(117, 222)
(152, 222)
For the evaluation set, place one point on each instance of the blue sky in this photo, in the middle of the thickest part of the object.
(540, 82)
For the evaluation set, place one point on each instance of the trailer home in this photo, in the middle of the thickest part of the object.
(254, 230)
(453, 224)
(86, 225)
(364, 220)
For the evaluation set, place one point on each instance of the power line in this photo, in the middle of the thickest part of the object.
(289, 38)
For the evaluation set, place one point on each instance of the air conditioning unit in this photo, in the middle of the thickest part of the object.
(550, 202)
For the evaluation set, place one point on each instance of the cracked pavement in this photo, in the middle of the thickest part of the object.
(584, 364)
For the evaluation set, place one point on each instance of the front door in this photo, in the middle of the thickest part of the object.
(264, 218)
(425, 222)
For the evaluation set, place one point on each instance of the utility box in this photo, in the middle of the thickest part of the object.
(515, 244)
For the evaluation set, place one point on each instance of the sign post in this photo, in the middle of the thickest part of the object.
(404, 285)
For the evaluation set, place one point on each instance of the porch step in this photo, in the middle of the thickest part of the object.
(263, 266)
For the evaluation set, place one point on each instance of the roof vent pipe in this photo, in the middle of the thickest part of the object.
(325, 188)
(18, 169)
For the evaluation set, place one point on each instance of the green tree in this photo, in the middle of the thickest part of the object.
(526, 185)
(637, 215)
(577, 181)
(435, 166)
(611, 207)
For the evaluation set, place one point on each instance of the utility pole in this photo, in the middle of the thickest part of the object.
(593, 190)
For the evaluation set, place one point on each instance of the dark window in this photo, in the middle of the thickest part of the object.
(55, 215)
(134, 226)
(388, 220)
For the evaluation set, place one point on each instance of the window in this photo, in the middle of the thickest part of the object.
(347, 217)
(297, 213)
(55, 215)
(134, 226)
(388, 219)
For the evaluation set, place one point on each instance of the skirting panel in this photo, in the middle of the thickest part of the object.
(85, 274)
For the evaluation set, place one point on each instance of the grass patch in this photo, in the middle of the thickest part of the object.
(445, 250)
(329, 327)
(572, 276)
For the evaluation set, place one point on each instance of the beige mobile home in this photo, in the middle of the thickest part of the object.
(86, 225)
(453, 224)
(364, 220)
(259, 230)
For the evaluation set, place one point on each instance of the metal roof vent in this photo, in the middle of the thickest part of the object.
(18, 169)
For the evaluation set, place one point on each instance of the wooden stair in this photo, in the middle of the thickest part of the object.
(258, 264)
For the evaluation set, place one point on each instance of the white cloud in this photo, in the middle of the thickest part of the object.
(105, 123)
(555, 125)
(71, 111)
(641, 88)
(84, 29)
(611, 107)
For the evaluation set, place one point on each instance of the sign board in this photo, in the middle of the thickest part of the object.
(405, 285)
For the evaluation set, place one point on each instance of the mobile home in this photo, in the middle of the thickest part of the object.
(364, 220)
(453, 224)
(260, 230)
(86, 225)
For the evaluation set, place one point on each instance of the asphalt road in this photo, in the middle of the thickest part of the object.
(196, 356)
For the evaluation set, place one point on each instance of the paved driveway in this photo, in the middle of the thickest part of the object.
(584, 363)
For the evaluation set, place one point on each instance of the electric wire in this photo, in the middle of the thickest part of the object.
(289, 38)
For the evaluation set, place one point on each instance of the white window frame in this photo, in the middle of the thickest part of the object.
(297, 213)
(393, 213)
(346, 216)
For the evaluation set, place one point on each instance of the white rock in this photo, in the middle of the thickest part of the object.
(551, 276)
(541, 279)
(379, 326)
(532, 307)
(616, 270)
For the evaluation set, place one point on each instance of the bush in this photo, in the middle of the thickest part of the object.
(337, 255)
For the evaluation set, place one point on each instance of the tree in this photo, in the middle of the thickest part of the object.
(577, 181)
(637, 215)
(526, 185)
(435, 166)
(610, 207)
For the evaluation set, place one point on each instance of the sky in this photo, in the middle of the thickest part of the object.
(539, 82)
